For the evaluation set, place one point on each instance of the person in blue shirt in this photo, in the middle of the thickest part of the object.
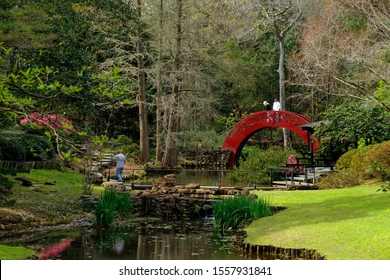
(120, 160)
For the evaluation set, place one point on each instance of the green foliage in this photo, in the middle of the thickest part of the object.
(382, 93)
(62, 75)
(26, 146)
(354, 22)
(100, 140)
(115, 85)
(246, 76)
(110, 205)
(358, 165)
(9, 102)
(25, 26)
(5, 185)
(226, 123)
(200, 139)
(39, 82)
(234, 213)
(125, 145)
(348, 124)
(255, 165)
(386, 55)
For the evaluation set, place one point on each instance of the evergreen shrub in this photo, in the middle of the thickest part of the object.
(255, 165)
(358, 165)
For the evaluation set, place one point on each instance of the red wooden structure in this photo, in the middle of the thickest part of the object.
(255, 122)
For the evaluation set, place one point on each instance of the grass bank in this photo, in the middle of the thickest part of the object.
(350, 223)
(54, 196)
(15, 253)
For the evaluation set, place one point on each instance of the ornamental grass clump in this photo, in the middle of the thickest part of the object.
(111, 205)
(234, 213)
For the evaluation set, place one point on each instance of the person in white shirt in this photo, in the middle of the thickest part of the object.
(266, 105)
(276, 106)
(120, 164)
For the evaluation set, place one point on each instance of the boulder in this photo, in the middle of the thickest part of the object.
(168, 181)
(204, 191)
(170, 177)
(192, 186)
(97, 178)
(109, 184)
(14, 216)
(185, 191)
(245, 192)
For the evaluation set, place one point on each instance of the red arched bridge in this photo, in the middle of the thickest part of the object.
(255, 122)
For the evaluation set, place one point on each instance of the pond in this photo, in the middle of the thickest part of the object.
(202, 177)
(152, 242)
(187, 176)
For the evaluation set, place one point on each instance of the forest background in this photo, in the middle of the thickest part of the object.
(168, 76)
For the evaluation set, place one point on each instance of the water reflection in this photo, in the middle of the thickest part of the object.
(119, 246)
(154, 246)
(202, 177)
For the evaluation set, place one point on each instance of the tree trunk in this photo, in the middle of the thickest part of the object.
(282, 84)
(141, 98)
(170, 155)
(159, 88)
(169, 158)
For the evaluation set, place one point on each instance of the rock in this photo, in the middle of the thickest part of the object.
(245, 192)
(137, 193)
(204, 191)
(112, 184)
(25, 181)
(170, 177)
(186, 191)
(168, 181)
(97, 178)
(88, 202)
(192, 186)
(14, 216)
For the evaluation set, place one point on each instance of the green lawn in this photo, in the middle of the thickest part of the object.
(15, 253)
(352, 223)
(58, 202)
(47, 204)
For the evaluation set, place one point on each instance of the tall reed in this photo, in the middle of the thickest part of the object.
(234, 213)
(110, 205)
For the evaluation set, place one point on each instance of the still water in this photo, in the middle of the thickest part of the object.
(199, 176)
(157, 240)
(163, 243)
